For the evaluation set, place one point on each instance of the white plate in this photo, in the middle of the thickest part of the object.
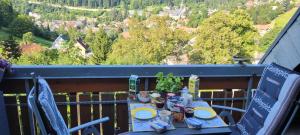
(204, 113)
(144, 113)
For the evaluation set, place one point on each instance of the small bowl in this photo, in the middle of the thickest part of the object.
(160, 102)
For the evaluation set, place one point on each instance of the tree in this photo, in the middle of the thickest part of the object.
(27, 38)
(6, 12)
(116, 15)
(73, 35)
(150, 42)
(223, 36)
(70, 55)
(21, 25)
(89, 37)
(11, 48)
(197, 15)
(100, 45)
(264, 14)
(46, 57)
(124, 8)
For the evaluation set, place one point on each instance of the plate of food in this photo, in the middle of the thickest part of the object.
(204, 113)
(143, 113)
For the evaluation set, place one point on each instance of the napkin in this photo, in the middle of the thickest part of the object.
(159, 126)
(194, 122)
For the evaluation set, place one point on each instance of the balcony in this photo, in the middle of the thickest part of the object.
(84, 93)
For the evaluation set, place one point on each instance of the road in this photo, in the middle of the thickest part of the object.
(69, 7)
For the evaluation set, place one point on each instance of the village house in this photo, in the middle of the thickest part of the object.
(58, 42)
(36, 16)
(263, 29)
(174, 13)
(176, 60)
(83, 47)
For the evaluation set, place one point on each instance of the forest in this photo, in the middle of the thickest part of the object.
(141, 4)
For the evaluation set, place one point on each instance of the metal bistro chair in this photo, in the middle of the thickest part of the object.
(49, 119)
(273, 106)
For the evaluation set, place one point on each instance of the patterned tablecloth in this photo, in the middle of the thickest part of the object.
(210, 123)
(143, 125)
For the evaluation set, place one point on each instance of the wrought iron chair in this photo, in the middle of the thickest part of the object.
(274, 101)
(49, 119)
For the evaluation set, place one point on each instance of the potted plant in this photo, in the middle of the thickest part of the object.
(4, 65)
(168, 84)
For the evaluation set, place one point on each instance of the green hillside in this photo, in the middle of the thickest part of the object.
(278, 25)
(43, 42)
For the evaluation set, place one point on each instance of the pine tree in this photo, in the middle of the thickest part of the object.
(101, 46)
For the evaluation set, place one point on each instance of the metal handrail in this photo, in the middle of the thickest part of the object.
(143, 71)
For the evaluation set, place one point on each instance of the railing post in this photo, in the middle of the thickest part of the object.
(146, 84)
(30, 114)
(249, 92)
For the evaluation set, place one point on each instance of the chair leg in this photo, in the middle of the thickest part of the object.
(291, 118)
(89, 130)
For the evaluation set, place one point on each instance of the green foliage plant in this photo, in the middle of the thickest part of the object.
(27, 38)
(21, 25)
(7, 13)
(170, 83)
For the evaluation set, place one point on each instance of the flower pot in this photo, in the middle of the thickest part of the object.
(170, 94)
(2, 71)
(178, 93)
(163, 94)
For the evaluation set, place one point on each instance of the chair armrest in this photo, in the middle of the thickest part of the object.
(228, 108)
(228, 116)
(85, 125)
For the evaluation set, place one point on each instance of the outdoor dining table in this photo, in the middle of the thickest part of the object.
(180, 127)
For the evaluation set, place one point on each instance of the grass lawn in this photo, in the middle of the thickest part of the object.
(3, 35)
(284, 18)
(43, 42)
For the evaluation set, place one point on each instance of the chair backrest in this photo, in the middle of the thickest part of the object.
(48, 109)
(276, 91)
(32, 104)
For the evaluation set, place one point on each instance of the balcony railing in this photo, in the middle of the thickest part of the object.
(84, 93)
